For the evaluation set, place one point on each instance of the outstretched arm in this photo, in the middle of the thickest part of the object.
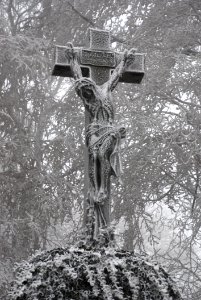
(128, 58)
(72, 56)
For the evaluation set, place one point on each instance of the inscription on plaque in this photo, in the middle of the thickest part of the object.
(98, 58)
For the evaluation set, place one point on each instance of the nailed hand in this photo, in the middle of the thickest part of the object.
(129, 56)
(70, 51)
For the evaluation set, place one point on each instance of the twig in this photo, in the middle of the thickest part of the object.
(86, 19)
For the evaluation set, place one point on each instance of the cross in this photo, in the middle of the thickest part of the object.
(97, 62)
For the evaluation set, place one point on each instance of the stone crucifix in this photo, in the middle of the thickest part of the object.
(97, 71)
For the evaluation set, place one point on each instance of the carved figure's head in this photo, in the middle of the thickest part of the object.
(86, 89)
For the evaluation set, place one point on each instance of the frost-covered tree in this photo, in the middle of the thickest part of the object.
(41, 140)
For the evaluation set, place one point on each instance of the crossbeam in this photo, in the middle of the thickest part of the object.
(98, 61)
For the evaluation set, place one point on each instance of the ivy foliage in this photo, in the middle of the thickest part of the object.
(106, 273)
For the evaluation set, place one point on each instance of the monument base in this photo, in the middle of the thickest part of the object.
(107, 273)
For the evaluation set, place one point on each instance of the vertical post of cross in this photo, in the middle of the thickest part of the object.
(100, 41)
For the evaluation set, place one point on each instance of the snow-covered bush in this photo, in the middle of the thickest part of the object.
(77, 273)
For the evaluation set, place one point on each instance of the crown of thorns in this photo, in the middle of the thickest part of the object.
(84, 82)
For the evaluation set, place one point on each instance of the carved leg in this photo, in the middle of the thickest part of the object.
(93, 171)
(100, 221)
(100, 192)
(104, 157)
(95, 184)
(105, 179)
